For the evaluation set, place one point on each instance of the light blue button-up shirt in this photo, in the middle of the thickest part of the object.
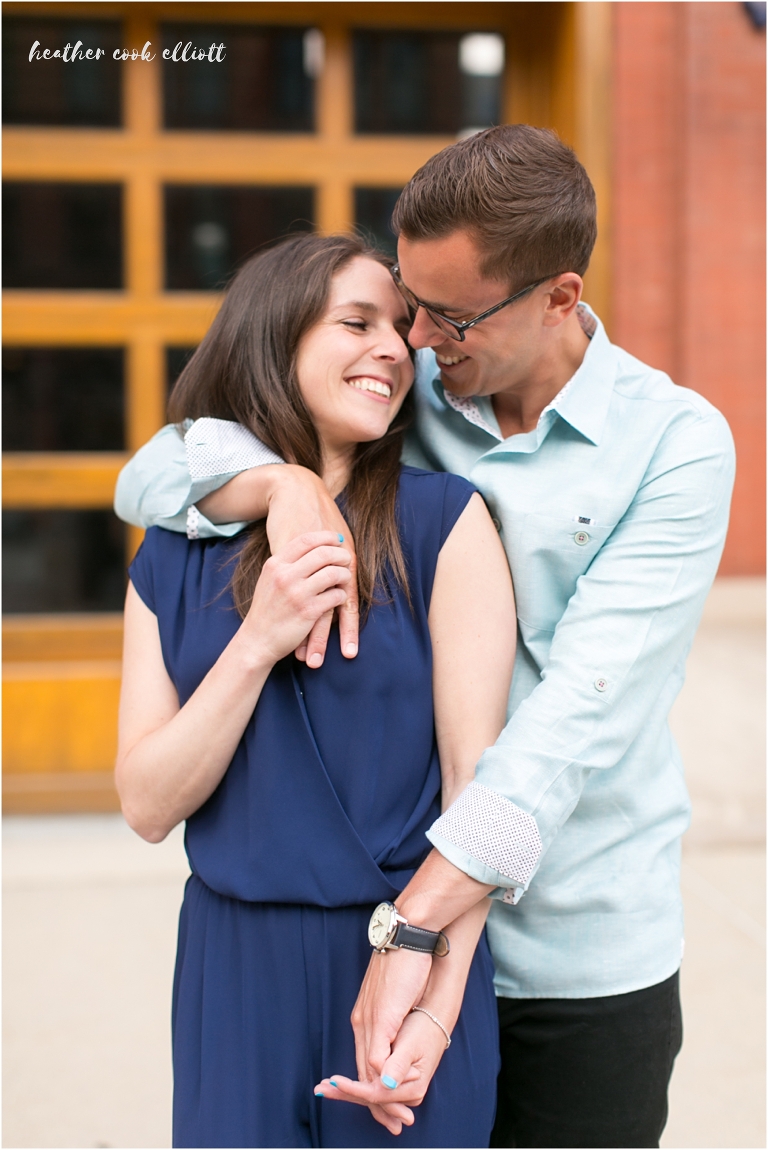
(613, 514)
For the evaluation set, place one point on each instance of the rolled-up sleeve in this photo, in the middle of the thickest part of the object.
(163, 482)
(626, 629)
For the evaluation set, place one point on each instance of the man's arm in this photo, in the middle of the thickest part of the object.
(629, 623)
(218, 478)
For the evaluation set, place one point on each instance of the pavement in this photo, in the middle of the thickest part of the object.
(90, 911)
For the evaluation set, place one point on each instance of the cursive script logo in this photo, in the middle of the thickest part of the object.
(181, 54)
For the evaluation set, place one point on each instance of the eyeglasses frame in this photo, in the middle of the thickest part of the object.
(459, 326)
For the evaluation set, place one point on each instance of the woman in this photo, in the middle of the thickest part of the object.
(307, 793)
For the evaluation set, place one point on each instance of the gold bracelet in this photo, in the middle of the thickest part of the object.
(436, 1021)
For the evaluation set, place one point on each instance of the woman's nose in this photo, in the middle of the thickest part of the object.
(393, 347)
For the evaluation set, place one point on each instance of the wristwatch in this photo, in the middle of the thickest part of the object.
(388, 930)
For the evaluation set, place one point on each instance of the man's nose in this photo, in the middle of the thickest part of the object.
(425, 332)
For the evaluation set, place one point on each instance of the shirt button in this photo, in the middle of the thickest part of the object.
(581, 538)
(497, 524)
(601, 685)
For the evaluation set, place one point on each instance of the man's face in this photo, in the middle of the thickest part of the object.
(498, 354)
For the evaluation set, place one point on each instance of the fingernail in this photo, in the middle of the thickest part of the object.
(341, 538)
(315, 660)
(351, 648)
(319, 1094)
(388, 1082)
(333, 1084)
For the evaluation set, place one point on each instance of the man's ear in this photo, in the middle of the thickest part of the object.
(563, 294)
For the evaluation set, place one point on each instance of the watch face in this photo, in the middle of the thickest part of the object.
(380, 926)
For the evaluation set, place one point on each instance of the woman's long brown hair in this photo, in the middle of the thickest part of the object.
(245, 370)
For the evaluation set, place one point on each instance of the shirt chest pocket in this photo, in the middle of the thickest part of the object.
(551, 553)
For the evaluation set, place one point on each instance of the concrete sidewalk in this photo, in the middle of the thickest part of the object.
(90, 919)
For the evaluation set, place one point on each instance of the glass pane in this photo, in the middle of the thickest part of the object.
(176, 358)
(261, 80)
(63, 561)
(62, 235)
(209, 231)
(63, 399)
(79, 93)
(373, 212)
(427, 82)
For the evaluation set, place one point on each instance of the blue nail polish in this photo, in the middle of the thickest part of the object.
(333, 1084)
(319, 1094)
(388, 1082)
(341, 539)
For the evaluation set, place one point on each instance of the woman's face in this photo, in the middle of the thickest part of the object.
(353, 367)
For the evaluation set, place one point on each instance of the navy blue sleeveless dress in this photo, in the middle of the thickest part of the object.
(321, 815)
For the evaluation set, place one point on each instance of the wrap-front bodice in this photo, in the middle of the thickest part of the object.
(336, 777)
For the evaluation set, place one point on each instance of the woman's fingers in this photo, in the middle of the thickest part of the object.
(341, 1089)
(313, 651)
(307, 542)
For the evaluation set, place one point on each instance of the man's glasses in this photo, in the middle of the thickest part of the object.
(451, 327)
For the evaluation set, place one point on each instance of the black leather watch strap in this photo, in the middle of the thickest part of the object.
(410, 937)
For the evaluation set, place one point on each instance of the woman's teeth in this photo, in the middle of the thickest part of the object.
(447, 360)
(362, 383)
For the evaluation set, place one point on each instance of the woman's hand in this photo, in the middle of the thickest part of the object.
(415, 1056)
(294, 501)
(297, 586)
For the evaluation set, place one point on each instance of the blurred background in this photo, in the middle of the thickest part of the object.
(132, 190)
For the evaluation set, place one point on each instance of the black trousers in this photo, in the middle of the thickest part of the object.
(587, 1071)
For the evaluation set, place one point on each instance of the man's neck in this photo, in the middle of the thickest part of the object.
(518, 410)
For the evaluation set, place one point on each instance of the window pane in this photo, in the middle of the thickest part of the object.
(79, 93)
(264, 83)
(63, 399)
(62, 235)
(63, 561)
(176, 359)
(373, 212)
(427, 82)
(209, 231)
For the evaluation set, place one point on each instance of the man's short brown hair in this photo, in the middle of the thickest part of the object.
(521, 193)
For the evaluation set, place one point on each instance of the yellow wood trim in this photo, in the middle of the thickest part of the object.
(76, 479)
(57, 638)
(106, 318)
(86, 792)
(134, 539)
(213, 157)
(61, 722)
(369, 15)
(145, 392)
(143, 235)
(62, 671)
(142, 82)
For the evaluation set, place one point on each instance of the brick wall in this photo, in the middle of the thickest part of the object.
(689, 222)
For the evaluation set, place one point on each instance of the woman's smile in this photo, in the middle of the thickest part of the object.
(376, 387)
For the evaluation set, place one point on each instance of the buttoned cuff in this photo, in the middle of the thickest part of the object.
(497, 842)
(198, 527)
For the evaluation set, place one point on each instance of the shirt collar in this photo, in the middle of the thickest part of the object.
(583, 402)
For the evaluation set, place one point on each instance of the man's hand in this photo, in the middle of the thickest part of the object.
(394, 982)
(295, 502)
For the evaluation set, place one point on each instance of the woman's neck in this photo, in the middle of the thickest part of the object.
(337, 468)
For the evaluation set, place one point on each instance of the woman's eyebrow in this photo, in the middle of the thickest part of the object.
(361, 305)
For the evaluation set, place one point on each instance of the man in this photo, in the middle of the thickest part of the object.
(610, 487)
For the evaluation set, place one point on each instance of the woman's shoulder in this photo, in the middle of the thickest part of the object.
(418, 483)
(432, 501)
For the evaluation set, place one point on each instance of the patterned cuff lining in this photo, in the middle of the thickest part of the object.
(492, 829)
(221, 447)
(193, 523)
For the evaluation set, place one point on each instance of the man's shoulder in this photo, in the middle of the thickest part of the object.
(677, 407)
